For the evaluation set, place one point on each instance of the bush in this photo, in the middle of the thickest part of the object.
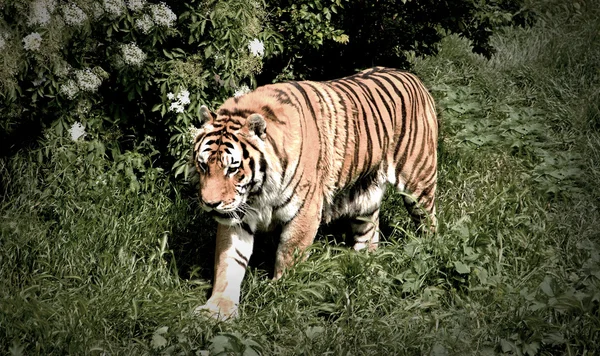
(367, 33)
(137, 68)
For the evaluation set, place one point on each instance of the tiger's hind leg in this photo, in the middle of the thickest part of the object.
(421, 207)
(364, 204)
(365, 231)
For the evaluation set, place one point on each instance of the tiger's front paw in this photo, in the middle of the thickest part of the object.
(219, 308)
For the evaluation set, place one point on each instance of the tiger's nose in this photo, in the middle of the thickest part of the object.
(212, 204)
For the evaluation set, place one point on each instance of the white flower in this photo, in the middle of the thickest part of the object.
(256, 47)
(69, 89)
(241, 90)
(97, 10)
(184, 97)
(73, 15)
(162, 15)
(132, 54)
(114, 7)
(77, 131)
(61, 68)
(194, 131)
(144, 23)
(181, 100)
(40, 11)
(87, 80)
(83, 107)
(32, 41)
(176, 106)
(136, 5)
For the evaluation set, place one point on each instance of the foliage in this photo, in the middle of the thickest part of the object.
(125, 62)
(362, 34)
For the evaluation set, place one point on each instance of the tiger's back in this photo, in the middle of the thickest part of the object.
(374, 127)
(319, 151)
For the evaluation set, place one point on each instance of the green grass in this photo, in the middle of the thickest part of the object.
(107, 256)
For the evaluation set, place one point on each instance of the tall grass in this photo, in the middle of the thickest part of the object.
(100, 254)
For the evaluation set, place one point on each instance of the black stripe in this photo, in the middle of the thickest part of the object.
(246, 228)
(245, 152)
(414, 125)
(300, 111)
(270, 115)
(399, 94)
(242, 257)
(229, 144)
(308, 104)
(242, 264)
(289, 199)
(236, 112)
(351, 96)
(361, 232)
(367, 135)
(383, 98)
(373, 107)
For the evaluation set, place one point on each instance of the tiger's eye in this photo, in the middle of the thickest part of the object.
(232, 170)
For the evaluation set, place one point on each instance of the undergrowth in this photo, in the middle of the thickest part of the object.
(101, 255)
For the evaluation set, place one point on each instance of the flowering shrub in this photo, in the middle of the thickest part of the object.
(137, 68)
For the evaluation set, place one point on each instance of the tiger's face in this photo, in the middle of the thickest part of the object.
(230, 166)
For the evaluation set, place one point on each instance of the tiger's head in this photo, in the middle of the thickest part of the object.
(229, 157)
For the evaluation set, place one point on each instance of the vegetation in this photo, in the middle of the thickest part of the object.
(104, 251)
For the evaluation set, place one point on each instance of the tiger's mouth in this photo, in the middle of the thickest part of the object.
(228, 218)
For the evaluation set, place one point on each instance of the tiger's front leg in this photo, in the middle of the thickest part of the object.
(233, 251)
(297, 235)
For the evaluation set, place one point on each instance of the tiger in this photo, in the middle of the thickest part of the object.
(299, 154)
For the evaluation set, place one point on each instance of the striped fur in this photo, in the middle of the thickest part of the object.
(299, 154)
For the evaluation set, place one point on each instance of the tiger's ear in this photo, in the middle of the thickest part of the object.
(256, 123)
(205, 114)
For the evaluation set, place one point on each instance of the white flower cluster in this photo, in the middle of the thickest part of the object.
(194, 131)
(87, 80)
(40, 11)
(97, 10)
(32, 41)
(256, 47)
(77, 131)
(62, 68)
(183, 99)
(136, 5)
(114, 7)
(241, 90)
(69, 89)
(144, 23)
(132, 54)
(73, 15)
(162, 15)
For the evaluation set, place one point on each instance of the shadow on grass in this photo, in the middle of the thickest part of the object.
(193, 245)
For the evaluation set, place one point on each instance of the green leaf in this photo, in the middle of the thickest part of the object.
(250, 352)
(461, 267)
(546, 287)
(314, 331)
(158, 341)
(507, 346)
